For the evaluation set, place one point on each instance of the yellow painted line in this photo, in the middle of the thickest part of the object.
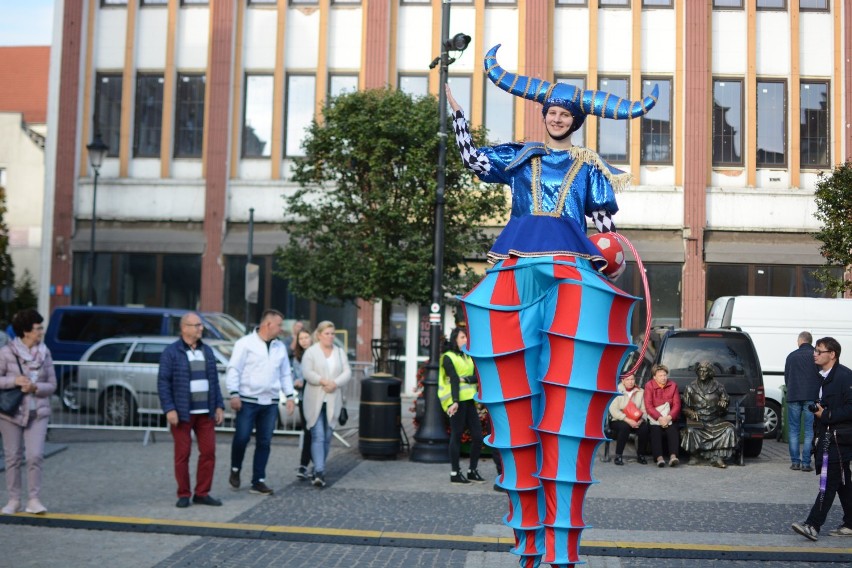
(424, 537)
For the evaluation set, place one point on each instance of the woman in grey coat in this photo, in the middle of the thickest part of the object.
(325, 369)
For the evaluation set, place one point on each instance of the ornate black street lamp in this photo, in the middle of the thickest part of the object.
(97, 150)
(431, 443)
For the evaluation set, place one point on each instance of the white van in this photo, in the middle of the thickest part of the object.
(774, 324)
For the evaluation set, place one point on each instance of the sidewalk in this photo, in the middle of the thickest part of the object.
(397, 510)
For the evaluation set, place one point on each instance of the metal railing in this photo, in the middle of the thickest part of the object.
(123, 396)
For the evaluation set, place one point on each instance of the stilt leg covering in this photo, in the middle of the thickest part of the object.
(548, 336)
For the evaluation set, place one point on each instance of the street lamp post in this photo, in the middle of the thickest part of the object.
(431, 443)
(97, 150)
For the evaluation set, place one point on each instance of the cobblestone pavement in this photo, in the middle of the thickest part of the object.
(400, 513)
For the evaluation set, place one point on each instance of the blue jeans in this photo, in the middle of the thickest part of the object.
(261, 418)
(795, 411)
(321, 434)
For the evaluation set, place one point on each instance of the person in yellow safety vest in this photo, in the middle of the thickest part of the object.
(456, 388)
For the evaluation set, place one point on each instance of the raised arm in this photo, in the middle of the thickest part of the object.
(470, 154)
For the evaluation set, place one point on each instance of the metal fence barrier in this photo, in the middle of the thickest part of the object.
(123, 396)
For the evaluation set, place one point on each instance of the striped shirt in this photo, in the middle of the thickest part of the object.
(198, 383)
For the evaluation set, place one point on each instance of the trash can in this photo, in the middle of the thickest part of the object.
(380, 416)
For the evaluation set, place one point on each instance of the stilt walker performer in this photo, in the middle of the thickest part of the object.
(548, 331)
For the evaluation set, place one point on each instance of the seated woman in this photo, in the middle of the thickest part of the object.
(662, 405)
(705, 404)
(622, 423)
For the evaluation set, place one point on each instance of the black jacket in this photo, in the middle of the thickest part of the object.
(836, 419)
(801, 375)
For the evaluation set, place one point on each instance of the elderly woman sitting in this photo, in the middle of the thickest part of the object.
(707, 433)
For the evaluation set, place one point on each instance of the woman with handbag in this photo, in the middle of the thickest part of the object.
(26, 364)
(626, 415)
(325, 369)
(456, 389)
(662, 405)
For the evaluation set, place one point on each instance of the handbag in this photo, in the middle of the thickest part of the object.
(10, 400)
(343, 417)
(664, 410)
(632, 411)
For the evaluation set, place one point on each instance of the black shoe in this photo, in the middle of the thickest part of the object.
(807, 468)
(319, 480)
(234, 479)
(260, 488)
(207, 500)
(182, 503)
(302, 473)
(458, 477)
(618, 460)
(795, 467)
(473, 475)
(661, 462)
(642, 460)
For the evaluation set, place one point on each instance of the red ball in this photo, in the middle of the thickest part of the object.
(612, 252)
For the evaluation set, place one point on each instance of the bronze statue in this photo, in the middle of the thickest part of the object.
(707, 433)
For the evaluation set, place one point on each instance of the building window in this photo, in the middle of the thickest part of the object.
(147, 124)
(813, 5)
(257, 116)
(611, 3)
(656, 147)
(656, 3)
(261, 2)
(571, 2)
(771, 4)
(771, 123)
(339, 84)
(501, 2)
(579, 136)
(301, 91)
(727, 4)
(664, 281)
(462, 87)
(189, 116)
(414, 85)
(155, 2)
(764, 280)
(345, 1)
(3, 177)
(499, 114)
(193, 2)
(108, 110)
(727, 122)
(815, 128)
(614, 135)
(113, 3)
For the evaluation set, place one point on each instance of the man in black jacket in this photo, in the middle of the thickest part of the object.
(803, 382)
(832, 442)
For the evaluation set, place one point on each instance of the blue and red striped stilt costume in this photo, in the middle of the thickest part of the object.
(547, 332)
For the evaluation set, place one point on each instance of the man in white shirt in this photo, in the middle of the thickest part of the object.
(259, 369)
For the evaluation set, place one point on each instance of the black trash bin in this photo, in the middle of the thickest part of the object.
(380, 415)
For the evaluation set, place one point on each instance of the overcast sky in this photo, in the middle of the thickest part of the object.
(26, 22)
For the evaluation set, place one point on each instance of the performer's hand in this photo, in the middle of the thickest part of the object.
(451, 100)
(453, 408)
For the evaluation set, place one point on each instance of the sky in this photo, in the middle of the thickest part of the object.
(26, 22)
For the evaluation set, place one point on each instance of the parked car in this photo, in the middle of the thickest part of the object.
(117, 377)
(736, 366)
(72, 330)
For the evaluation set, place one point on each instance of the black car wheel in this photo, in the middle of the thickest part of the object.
(752, 448)
(771, 420)
(118, 408)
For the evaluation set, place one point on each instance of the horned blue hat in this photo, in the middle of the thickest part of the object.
(578, 102)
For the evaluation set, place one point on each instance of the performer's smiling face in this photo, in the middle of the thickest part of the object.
(558, 122)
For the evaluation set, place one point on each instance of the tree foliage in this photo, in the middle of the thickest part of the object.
(833, 197)
(361, 223)
(25, 293)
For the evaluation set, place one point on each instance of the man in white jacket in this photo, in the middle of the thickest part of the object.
(258, 371)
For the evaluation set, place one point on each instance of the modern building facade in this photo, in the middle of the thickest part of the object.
(23, 131)
(203, 106)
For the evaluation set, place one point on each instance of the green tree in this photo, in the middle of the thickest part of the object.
(361, 224)
(833, 197)
(25, 293)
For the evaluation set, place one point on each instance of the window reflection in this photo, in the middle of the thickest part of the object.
(771, 123)
(257, 120)
(656, 145)
(613, 134)
(727, 122)
(815, 128)
(300, 111)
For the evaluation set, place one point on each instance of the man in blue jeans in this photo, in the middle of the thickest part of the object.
(803, 380)
(259, 369)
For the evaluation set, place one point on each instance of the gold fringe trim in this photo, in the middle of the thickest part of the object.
(619, 182)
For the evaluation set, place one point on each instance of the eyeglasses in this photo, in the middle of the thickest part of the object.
(821, 351)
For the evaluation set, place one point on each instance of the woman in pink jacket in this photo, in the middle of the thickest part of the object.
(662, 404)
(25, 363)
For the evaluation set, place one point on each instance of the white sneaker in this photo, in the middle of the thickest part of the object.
(35, 507)
(806, 531)
(842, 530)
(12, 507)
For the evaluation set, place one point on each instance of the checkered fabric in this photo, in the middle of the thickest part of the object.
(603, 221)
(470, 156)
